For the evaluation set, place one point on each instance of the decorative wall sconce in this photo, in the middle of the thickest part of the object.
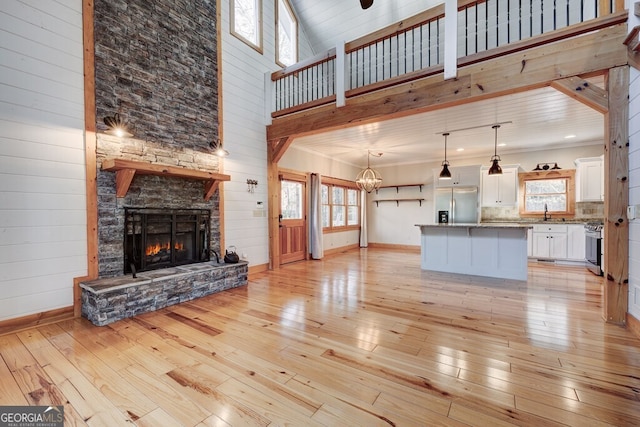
(218, 149)
(251, 185)
(546, 167)
(117, 126)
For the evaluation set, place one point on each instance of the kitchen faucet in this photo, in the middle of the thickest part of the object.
(546, 211)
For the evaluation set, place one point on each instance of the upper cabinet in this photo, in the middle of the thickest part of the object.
(500, 190)
(590, 179)
(461, 176)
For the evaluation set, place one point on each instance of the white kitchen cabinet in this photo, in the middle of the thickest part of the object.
(461, 176)
(549, 241)
(590, 179)
(500, 190)
(575, 242)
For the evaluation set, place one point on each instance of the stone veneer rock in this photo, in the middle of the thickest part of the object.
(108, 300)
(155, 65)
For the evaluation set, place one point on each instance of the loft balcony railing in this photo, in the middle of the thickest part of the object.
(415, 47)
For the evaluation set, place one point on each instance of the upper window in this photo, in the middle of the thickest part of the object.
(550, 192)
(246, 22)
(287, 34)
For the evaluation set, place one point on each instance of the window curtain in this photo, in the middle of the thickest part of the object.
(364, 240)
(315, 217)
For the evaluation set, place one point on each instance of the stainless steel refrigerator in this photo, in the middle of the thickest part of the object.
(457, 205)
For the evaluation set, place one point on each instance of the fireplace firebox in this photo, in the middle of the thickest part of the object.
(160, 238)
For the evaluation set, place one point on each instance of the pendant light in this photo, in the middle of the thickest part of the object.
(445, 173)
(369, 179)
(495, 168)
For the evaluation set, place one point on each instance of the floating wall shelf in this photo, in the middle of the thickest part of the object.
(126, 169)
(398, 201)
(399, 186)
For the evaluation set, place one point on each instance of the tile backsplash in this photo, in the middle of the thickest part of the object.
(585, 212)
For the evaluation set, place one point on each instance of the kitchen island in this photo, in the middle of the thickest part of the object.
(491, 250)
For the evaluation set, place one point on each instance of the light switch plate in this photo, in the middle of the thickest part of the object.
(631, 212)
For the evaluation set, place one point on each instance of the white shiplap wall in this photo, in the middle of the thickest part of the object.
(634, 178)
(634, 192)
(42, 176)
(244, 134)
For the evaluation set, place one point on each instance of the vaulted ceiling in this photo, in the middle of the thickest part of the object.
(536, 120)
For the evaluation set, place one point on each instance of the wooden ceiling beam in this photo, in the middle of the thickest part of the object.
(280, 147)
(584, 92)
(534, 68)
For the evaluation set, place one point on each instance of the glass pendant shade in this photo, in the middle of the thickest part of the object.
(495, 168)
(368, 179)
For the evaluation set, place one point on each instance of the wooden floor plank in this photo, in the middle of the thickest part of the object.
(361, 339)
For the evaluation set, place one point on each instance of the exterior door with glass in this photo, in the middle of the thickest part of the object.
(293, 229)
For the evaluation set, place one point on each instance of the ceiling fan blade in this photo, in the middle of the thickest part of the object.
(366, 4)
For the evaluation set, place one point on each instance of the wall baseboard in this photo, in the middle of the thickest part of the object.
(333, 251)
(633, 325)
(408, 248)
(255, 269)
(37, 319)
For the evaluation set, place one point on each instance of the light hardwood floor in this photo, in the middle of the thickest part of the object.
(361, 338)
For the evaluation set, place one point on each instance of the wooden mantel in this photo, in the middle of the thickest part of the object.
(126, 169)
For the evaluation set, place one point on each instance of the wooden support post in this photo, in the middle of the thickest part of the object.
(90, 138)
(616, 225)
(273, 189)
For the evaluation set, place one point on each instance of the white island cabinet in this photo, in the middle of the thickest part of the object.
(491, 250)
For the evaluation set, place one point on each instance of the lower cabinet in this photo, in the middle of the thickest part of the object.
(556, 241)
(549, 245)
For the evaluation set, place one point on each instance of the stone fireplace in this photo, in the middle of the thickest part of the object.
(157, 69)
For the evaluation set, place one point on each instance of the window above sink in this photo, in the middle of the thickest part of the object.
(547, 194)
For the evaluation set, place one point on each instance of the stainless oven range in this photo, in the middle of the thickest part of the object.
(593, 247)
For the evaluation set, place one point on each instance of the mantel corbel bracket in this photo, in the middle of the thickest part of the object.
(126, 170)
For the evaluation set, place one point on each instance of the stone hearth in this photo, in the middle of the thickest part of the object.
(108, 300)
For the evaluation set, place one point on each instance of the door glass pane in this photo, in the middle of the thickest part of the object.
(291, 199)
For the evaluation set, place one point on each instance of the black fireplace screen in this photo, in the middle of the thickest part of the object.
(160, 238)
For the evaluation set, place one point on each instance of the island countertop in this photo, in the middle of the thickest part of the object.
(479, 225)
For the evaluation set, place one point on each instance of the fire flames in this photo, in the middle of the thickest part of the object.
(159, 247)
